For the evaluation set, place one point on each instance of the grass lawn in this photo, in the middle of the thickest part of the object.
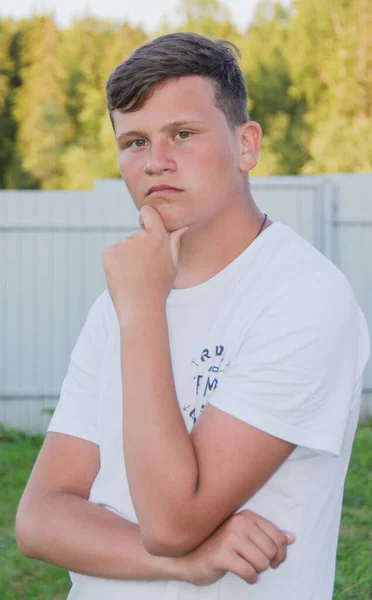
(21, 578)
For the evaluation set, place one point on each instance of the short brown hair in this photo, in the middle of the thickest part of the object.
(173, 56)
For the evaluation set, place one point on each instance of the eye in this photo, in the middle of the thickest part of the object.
(136, 143)
(184, 134)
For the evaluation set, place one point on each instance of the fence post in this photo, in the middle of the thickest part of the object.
(327, 210)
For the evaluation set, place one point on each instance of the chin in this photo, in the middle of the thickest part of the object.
(170, 216)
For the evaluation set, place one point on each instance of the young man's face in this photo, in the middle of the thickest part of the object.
(180, 139)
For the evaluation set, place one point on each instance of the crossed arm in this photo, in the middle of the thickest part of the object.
(223, 459)
(57, 524)
(183, 486)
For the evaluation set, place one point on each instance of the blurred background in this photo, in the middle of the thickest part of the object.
(308, 68)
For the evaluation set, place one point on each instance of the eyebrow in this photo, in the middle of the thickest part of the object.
(164, 129)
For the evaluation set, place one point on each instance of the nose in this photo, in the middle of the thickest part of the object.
(159, 160)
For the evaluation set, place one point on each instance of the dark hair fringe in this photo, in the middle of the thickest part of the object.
(177, 55)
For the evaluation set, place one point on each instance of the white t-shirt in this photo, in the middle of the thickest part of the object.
(275, 339)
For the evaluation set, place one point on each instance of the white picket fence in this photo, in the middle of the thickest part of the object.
(51, 244)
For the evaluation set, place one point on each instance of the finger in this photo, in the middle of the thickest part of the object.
(253, 555)
(151, 220)
(240, 567)
(278, 537)
(175, 243)
(290, 538)
(259, 538)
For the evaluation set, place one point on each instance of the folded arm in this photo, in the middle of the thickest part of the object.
(56, 523)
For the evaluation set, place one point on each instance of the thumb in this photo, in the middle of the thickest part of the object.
(290, 537)
(175, 243)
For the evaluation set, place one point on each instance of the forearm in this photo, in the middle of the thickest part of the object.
(159, 455)
(74, 534)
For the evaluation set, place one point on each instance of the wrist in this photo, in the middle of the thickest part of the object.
(169, 568)
(142, 314)
(180, 568)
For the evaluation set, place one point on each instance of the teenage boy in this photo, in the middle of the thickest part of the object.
(219, 373)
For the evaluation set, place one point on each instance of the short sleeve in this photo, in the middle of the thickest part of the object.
(77, 411)
(295, 374)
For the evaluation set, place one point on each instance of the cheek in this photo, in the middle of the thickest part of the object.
(214, 167)
(131, 168)
(213, 179)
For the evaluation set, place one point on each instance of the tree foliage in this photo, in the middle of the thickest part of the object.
(332, 69)
(308, 68)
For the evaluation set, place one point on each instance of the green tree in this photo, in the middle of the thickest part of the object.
(83, 48)
(12, 175)
(40, 108)
(207, 17)
(92, 49)
(272, 102)
(332, 67)
(7, 124)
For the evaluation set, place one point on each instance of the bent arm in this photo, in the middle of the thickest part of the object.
(183, 486)
(57, 524)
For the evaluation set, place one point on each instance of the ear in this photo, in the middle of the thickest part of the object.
(250, 135)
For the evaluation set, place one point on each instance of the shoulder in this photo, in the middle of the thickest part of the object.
(299, 299)
(305, 281)
(99, 322)
(102, 312)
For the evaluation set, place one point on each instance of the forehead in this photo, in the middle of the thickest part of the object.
(187, 98)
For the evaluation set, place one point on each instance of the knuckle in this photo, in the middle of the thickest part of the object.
(250, 529)
(252, 577)
(246, 513)
(281, 556)
(248, 519)
(281, 539)
(262, 565)
(248, 523)
(225, 561)
(239, 517)
(248, 574)
(230, 537)
(271, 552)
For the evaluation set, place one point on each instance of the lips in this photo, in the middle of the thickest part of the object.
(162, 188)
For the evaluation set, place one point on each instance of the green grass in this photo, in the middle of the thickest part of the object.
(21, 578)
(354, 557)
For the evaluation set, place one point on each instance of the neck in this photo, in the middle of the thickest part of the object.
(208, 249)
